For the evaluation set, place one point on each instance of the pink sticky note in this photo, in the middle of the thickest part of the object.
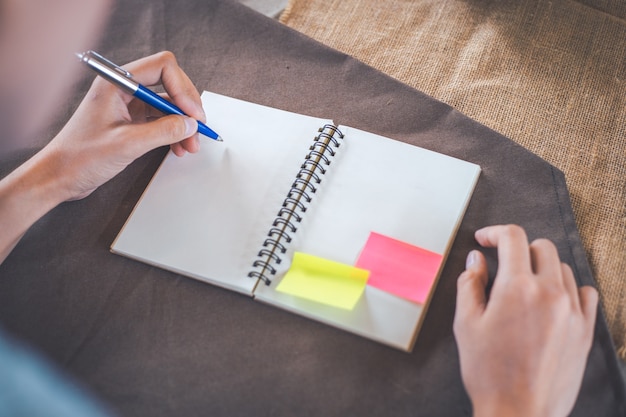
(398, 267)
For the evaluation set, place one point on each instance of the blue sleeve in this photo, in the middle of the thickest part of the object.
(30, 386)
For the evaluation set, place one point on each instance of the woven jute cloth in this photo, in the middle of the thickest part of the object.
(550, 75)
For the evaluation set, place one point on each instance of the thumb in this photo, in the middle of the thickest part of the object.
(166, 130)
(471, 299)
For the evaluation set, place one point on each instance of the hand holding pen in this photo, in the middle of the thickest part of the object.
(123, 79)
(110, 129)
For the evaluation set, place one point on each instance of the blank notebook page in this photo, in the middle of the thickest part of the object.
(205, 215)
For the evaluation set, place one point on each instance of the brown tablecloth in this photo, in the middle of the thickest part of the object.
(152, 343)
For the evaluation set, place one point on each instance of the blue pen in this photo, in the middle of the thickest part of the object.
(123, 79)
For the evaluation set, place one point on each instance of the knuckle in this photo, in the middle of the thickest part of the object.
(530, 290)
(457, 326)
(173, 127)
(462, 327)
(552, 295)
(561, 301)
(464, 279)
(567, 269)
(167, 57)
(513, 231)
(543, 243)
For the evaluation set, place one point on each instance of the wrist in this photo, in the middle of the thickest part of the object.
(38, 184)
(501, 407)
(497, 411)
(26, 194)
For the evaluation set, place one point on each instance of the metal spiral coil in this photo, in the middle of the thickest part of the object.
(298, 197)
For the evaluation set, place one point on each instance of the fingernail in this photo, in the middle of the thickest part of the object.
(472, 257)
(191, 126)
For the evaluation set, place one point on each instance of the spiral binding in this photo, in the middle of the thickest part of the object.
(295, 204)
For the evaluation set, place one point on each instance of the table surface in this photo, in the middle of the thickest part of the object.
(150, 342)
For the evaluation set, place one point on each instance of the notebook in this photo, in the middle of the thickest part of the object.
(327, 221)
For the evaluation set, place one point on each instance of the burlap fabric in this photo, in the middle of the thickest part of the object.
(551, 75)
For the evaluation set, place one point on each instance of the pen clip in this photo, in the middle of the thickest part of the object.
(109, 64)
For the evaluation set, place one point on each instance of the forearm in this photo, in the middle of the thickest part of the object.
(26, 195)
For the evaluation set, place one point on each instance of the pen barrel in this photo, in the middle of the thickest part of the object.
(166, 107)
(156, 101)
(207, 131)
(109, 71)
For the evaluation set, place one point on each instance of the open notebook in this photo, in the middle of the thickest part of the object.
(317, 219)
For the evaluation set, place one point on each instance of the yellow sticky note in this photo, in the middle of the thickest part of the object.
(324, 281)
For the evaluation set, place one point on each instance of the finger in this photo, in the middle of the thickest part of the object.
(178, 149)
(589, 305)
(139, 111)
(544, 259)
(512, 244)
(143, 112)
(164, 131)
(162, 68)
(471, 298)
(192, 144)
(570, 286)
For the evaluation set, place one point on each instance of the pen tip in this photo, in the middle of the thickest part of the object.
(219, 139)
